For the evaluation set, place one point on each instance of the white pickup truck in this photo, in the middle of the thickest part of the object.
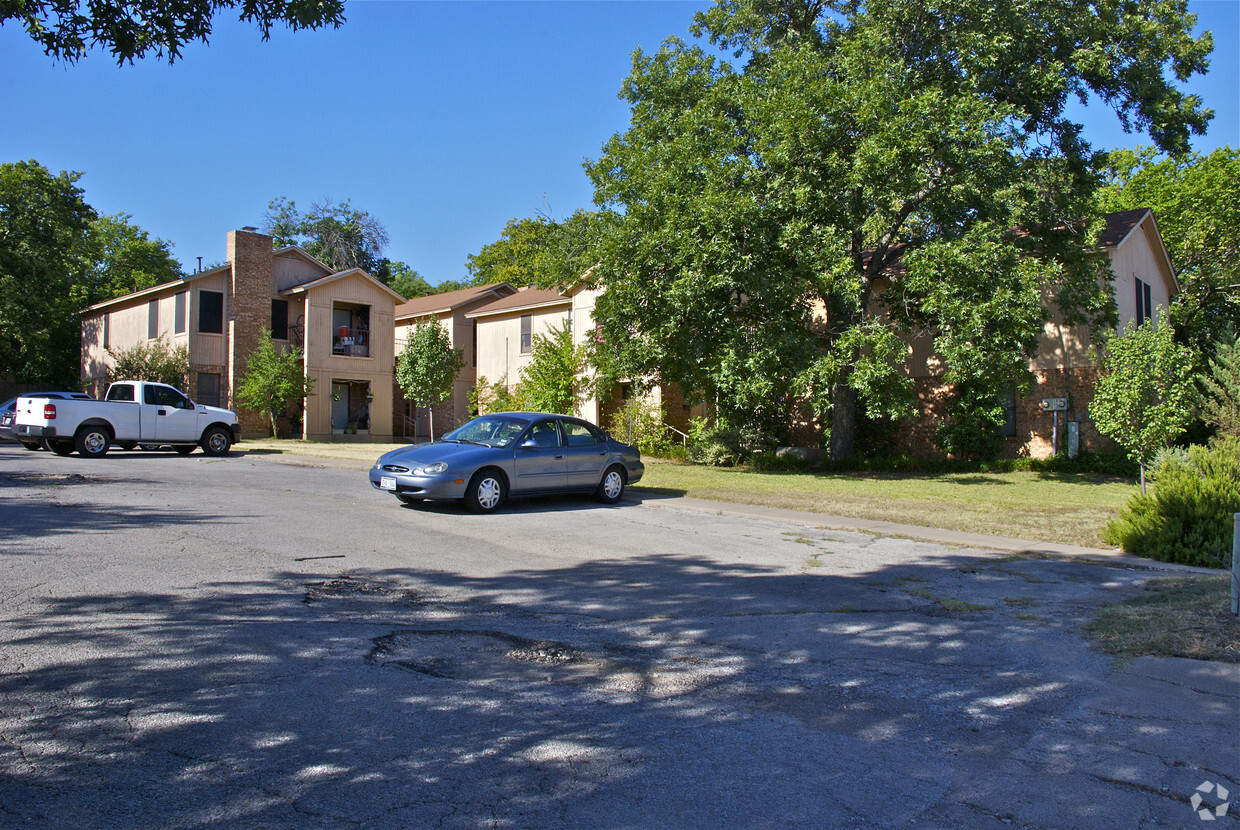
(132, 414)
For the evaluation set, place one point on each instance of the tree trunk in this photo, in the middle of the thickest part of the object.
(843, 421)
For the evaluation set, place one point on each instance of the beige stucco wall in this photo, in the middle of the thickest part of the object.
(324, 368)
(499, 341)
(1136, 259)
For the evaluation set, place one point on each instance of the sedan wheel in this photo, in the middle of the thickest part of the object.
(486, 492)
(611, 488)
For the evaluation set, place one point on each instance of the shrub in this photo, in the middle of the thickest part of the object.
(640, 423)
(1187, 518)
(724, 446)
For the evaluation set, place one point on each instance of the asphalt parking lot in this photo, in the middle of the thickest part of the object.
(242, 642)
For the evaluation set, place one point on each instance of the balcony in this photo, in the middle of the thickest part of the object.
(351, 342)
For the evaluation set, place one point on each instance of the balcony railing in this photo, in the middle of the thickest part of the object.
(351, 342)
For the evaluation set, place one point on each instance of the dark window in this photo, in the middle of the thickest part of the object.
(164, 396)
(279, 319)
(544, 434)
(211, 312)
(474, 344)
(1145, 307)
(580, 435)
(527, 336)
(208, 389)
(178, 313)
(107, 330)
(1008, 428)
(152, 319)
(120, 392)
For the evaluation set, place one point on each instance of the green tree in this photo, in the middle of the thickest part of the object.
(1196, 202)
(538, 251)
(126, 259)
(427, 367)
(1220, 389)
(44, 258)
(1144, 396)
(156, 360)
(337, 235)
(554, 380)
(403, 280)
(769, 211)
(274, 379)
(66, 29)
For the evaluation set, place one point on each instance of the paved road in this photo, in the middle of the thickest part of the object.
(193, 642)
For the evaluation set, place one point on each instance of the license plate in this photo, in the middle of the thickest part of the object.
(387, 483)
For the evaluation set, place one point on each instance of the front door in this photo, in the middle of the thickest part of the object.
(340, 405)
(539, 460)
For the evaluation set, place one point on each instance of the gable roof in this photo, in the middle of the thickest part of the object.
(1120, 225)
(339, 275)
(527, 299)
(450, 301)
(157, 289)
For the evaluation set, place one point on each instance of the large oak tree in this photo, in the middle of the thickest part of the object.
(865, 171)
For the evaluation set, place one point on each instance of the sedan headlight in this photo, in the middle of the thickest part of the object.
(432, 469)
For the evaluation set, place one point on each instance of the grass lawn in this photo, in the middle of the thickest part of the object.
(1173, 617)
(1049, 507)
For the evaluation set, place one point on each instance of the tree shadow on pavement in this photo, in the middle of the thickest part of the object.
(668, 690)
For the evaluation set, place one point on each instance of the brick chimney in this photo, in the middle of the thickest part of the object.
(251, 256)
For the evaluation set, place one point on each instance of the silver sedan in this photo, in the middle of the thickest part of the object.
(510, 454)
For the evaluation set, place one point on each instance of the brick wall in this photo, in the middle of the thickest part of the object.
(248, 312)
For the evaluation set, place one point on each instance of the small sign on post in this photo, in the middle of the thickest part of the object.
(1055, 406)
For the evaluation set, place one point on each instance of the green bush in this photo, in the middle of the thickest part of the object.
(1187, 516)
(723, 446)
(640, 423)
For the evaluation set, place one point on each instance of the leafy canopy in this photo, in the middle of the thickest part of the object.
(67, 29)
(127, 259)
(45, 257)
(274, 379)
(1144, 397)
(337, 235)
(768, 214)
(538, 251)
(155, 360)
(428, 365)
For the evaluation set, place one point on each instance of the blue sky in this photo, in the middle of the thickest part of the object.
(443, 119)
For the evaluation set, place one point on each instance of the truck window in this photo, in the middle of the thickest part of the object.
(119, 392)
(164, 396)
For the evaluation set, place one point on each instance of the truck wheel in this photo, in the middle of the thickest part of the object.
(32, 445)
(92, 441)
(59, 447)
(216, 441)
(182, 449)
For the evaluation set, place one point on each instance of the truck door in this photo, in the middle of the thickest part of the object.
(175, 416)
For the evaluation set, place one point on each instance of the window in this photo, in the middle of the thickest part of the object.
(527, 335)
(1145, 307)
(107, 330)
(178, 313)
(164, 396)
(544, 434)
(580, 435)
(211, 312)
(208, 389)
(474, 345)
(120, 392)
(152, 319)
(1008, 428)
(279, 319)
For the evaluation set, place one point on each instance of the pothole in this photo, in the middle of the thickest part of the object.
(458, 654)
(348, 588)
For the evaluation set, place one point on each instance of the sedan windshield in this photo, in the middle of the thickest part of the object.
(490, 431)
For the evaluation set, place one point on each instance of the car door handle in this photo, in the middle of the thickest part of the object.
(558, 457)
(161, 412)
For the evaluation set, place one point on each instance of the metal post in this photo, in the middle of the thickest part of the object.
(1235, 564)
